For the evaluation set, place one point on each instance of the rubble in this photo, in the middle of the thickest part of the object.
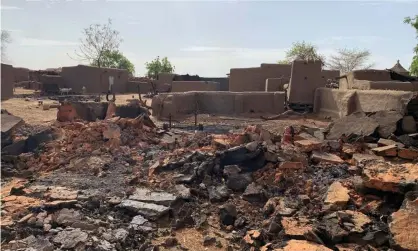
(337, 196)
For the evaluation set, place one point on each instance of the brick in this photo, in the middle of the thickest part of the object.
(296, 226)
(359, 157)
(409, 153)
(388, 151)
(298, 245)
(304, 136)
(337, 196)
(308, 145)
(291, 165)
(326, 157)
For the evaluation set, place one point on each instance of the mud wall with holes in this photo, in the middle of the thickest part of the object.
(186, 86)
(96, 80)
(7, 81)
(305, 79)
(276, 84)
(217, 103)
(340, 103)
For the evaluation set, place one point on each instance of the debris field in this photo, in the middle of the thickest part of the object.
(127, 184)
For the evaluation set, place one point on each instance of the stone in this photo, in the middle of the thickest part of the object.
(388, 142)
(308, 145)
(252, 236)
(67, 216)
(62, 193)
(348, 247)
(104, 245)
(37, 243)
(354, 124)
(388, 151)
(208, 240)
(278, 206)
(304, 136)
(148, 196)
(240, 222)
(326, 158)
(183, 191)
(407, 140)
(273, 227)
(227, 214)
(390, 177)
(387, 121)
(239, 182)
(410, 153)
(231, 170)
(148, 210)
(409, 125)
(218, 193)
(84, 225)
(337, 196)
(140, 223)
(360, 157)
(296, 227)
(59, 203)
(299, 245)
(25, 218)
(170, 242)
(252, 146)
(70, 239)
(403, 223)
(254, 193)
(120, 234)
(291, 165)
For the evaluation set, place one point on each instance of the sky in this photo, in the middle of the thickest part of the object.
(208, 37)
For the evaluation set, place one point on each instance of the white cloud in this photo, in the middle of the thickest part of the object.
(45, 42)
(6, 7)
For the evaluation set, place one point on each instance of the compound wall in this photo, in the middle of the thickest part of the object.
(276, 84)
(53, 79)
(217, 103)
(132, 87)
(20, 74)
(223, 82)
(254, 79)
(340, 103)
(305, 79)
(7, 81)
(348, 80)
(186, 86)
(96, 80)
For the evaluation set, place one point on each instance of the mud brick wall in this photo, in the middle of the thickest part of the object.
(20, 74)
(186, 86)
(53, 79)
(253, 79)
(340, 103)
(348, 82)
(223, 82)
(383, 85)
(78, 76)
(7, 81)
(305, 79)
(217, 103)
(132, 87)
(276, 84)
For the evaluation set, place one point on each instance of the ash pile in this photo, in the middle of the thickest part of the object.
(124, 184)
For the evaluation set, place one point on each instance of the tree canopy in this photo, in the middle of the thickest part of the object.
(115, 59)
(347, 60)
(413, 21)
(158, 66)
(302, 51)
(97, 40)
(5, 40)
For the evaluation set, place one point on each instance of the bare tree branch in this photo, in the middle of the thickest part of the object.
(347, 60)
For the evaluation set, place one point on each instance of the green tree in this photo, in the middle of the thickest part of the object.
(413, 21)
(115, 59)
(97, 40)
(347, 60)
(158, 66)
(302, 51)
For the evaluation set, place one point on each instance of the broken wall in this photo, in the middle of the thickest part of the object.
(20, 74)
(340, 103)
(253, 79)
(305, 79)
(348, 80)
(217, 103)
(185, 86)
(53, 79)
(7, 81)
(96, 80)
(276, 84)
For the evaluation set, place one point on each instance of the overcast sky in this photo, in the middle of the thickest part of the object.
(209, 37)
